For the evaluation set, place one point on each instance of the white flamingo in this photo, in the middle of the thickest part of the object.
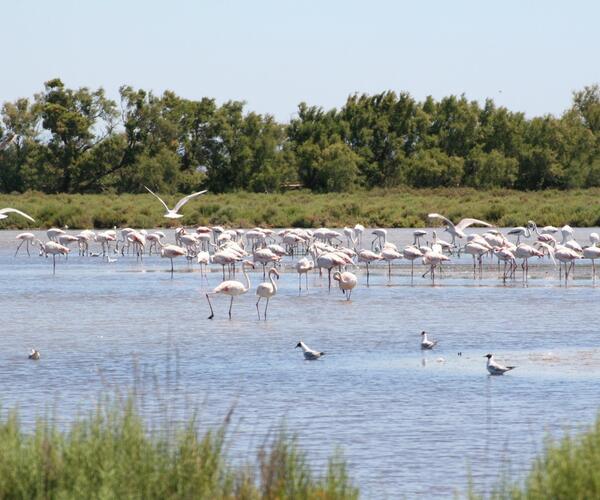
(53, 248)
(232, 288)
(173, 214)
(266, 290)
(25, 238)
(303, 266)
(367, 256)
(347, 282)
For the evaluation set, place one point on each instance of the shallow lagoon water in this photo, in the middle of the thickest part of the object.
(410, 424)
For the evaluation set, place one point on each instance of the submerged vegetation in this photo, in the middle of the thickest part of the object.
(111, 454)
(378, 207)
(79, 141)
(567, 468)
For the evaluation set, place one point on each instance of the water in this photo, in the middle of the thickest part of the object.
(409, 423)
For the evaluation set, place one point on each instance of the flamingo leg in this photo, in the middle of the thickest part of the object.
(389, 269)
(299, 283)
(20, 247)
(266, 307)
(329, 277)
(171, 266)
(27, 247)
(257, 309)
(212, 314)
(306, 281)
(230, 305)
(53, 263)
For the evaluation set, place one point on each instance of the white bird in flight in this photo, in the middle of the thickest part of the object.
(496, 368)
(4, 211)
(173, 214)
(457, 230)
(309, 354)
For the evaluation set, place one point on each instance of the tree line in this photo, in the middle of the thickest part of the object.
(80, 141)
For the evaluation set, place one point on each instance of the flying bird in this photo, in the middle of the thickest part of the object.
(173, 214)
(457, 230)
(496, 368)
(4, 211)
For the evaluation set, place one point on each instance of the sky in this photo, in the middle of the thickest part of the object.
(527, 55)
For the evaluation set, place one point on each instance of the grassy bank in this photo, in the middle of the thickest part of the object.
(110, 454)
(385, 208)
(568, 468)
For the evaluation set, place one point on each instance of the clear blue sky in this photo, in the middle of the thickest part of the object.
(527, 55)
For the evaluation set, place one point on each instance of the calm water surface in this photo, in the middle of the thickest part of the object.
(410, 424)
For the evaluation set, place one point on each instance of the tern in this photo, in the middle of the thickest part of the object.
(4, 211)
(496, 368)
(308, 352)
(173, 214)
(426, 343)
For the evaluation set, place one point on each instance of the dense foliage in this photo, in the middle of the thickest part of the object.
(112, 454)
(79, 141)
(567, 468)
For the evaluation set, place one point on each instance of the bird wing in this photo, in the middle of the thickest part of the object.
(187, 198)
(464, 223)
(441, 217)
(159, 198)
(15, 211)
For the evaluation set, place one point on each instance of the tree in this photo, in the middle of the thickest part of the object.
(434, 168)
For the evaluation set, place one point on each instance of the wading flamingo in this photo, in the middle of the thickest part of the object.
(266, 290)
(303, 266)
(54, 249)
(25, 238)
(171, 252)
(347, 281)
(232, 288)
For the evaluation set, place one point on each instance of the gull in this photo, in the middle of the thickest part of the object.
(496, 368)
(35, 355)
(308, 352)
(4, 211)
(457, 230)
(426, 343)
(172, 214)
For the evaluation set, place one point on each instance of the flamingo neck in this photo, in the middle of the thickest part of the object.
(273, 284)
(246, 277)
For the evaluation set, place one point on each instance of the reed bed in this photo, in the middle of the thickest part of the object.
(378, 207)
(111, 453)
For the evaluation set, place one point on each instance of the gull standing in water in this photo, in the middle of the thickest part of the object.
(309, 354)
(173, 214)
(426, 343)
(496, 368)
(35, 355)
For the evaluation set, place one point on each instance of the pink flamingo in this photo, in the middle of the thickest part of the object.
(232, 288)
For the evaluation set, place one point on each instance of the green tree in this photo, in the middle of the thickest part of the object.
(434, 168)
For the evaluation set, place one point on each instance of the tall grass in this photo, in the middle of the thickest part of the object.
(111, 454)
(379, 207)
(568, 468)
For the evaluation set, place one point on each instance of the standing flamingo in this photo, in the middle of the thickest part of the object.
(303, 266)
(232, 288)
(347, 281)
(171, 252)
(54, 249)
(411, 253)
(266, 290)
(367, 256)
(25, 238)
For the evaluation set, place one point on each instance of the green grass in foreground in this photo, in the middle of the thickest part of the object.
(110, 454)
(384, 208)
(569, 468)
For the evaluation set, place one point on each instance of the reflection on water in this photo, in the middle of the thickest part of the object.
(410, 423)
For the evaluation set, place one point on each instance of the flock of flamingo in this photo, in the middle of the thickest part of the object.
(337, 252)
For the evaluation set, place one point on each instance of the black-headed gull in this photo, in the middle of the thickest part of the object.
(426, 343)
(308, 352)
(496, 368)
(172, 214)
